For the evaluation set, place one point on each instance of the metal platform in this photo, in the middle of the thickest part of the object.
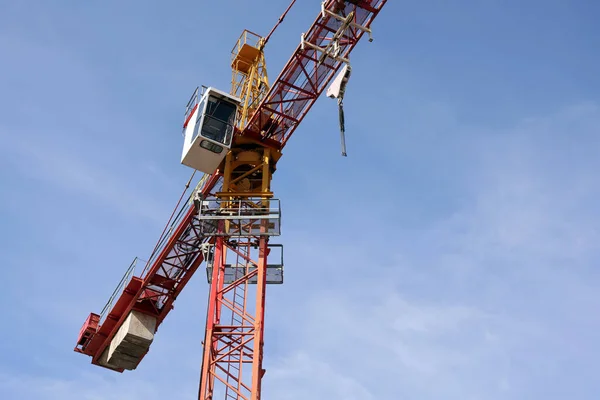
(240, 218)
(274, 271)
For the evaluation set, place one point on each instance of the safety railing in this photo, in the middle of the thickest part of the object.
(273, 272)
(243, 218)
(118, 290)
(246, 38)
(191, 105)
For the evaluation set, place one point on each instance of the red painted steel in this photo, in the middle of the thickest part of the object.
(233, 344)
(160, 283)
(187, 120)
(284, 107)
(303, 79)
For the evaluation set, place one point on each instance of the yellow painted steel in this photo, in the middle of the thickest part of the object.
(247, 175)
(199, 185)
(249, 81)
(249, 165)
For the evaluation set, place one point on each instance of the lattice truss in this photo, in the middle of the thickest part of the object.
(235, 328)
(238, 272)
(323, 49)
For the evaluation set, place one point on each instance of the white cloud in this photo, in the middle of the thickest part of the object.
(340, 344)
(303, 376)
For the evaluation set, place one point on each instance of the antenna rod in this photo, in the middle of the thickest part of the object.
(278, 23)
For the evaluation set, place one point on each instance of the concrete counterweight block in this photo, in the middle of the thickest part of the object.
(132, 341)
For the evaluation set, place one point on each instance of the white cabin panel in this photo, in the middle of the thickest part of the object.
(209, 131)
(204, 155)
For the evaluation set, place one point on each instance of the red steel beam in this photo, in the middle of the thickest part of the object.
(143, 294)
(303, 71)
(233, 343)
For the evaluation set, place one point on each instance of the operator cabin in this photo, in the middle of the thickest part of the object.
(208, 129)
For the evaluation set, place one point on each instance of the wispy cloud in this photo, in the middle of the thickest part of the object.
(482, 303)
(391, 348)
(40, 159)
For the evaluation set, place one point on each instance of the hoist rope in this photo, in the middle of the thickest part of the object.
(162, 235)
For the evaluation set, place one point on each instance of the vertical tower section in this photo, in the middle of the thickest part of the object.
(249, 80)
(245, 216)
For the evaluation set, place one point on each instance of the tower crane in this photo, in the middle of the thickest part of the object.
(236, 139)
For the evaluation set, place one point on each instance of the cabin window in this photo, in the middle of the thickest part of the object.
(215, 148)
(219, 120)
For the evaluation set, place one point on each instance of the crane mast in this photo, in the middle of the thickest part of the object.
(227, 222)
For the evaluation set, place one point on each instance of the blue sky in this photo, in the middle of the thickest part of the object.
(453, 254)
